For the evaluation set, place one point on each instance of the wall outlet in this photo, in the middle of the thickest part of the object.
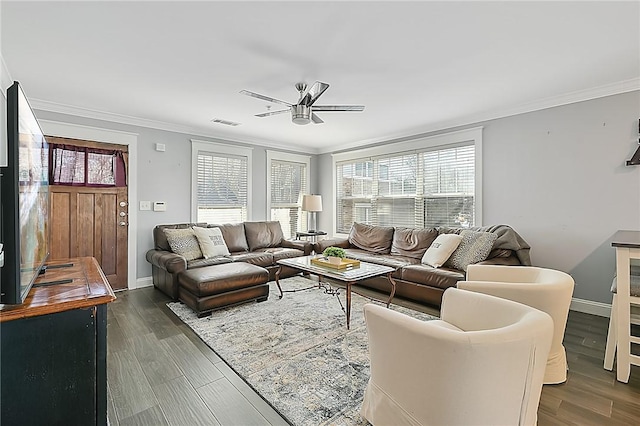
(145, 205)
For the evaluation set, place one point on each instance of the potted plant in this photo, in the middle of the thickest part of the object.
(334, 254)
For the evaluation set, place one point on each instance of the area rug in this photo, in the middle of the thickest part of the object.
(296, 352)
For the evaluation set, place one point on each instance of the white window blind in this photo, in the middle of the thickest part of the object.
(222, 182)
(288, 182)
(427, 188)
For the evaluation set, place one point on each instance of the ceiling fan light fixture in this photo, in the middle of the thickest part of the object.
(300, 114)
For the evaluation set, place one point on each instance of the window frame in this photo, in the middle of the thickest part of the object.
(285, 157)
(210, 147)
(418, 144)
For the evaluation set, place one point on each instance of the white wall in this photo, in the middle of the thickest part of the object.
(166, 176)
(558, 177)
(5, 82)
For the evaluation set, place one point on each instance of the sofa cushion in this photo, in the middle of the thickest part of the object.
(257, 258)
(474, 247)
(376, 239)
(263, 234)
(234, 236)
(211, 242)
(217, 260)
(441, 248)
(184, 243)
(391, 260)
(435, 277)
(281, 252)
(412, 242)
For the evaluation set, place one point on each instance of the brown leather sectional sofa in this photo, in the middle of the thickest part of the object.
(403, 248)
(258, 243)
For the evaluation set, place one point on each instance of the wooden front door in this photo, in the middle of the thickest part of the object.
(86, 222)
(91, 221)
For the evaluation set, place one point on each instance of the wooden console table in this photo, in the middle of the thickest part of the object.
(53, 368)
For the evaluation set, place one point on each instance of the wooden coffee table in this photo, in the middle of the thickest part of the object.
(349, 276)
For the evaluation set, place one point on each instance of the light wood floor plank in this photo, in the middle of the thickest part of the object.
(228, 404)
(195, 366)
(150, 417)
(130, 390)
(202, 346)
(256, 400)
(182, 405)
(157, 364)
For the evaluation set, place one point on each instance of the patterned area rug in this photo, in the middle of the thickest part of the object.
(296, 351)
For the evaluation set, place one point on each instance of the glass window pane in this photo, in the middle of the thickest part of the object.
(222, 188)
(428, 188)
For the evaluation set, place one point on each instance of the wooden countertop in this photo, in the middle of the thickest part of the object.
(89, 287)
(626, 239)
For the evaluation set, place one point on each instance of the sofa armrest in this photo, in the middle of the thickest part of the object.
(169, 261)
(508, 261)
(305, 246)
(331, 242)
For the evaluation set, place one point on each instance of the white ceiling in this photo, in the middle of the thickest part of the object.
(416, 66)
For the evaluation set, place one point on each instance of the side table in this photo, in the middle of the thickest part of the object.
(313, 234)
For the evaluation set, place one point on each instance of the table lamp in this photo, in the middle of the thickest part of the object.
(312, 204)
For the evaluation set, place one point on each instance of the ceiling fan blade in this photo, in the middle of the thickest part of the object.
(316, 119)
(338, 108)
(266, 114)
(313, 93)
(264, 98)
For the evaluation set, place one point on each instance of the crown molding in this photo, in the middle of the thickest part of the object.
(49, 106)
(617, 88)
(537, 105)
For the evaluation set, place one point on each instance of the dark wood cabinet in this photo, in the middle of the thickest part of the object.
(53, 350)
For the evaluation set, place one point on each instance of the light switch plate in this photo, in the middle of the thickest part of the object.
(145, 205)
(159, 206)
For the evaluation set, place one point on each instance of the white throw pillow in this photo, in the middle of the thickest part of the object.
(440, 249)
(211, 242)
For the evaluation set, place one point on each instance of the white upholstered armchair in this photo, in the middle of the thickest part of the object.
(545, 289)
(482, 363)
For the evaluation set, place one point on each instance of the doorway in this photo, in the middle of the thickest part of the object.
(88, 208)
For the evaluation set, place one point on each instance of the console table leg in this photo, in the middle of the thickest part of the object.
(393, 288)
(278, 281)
(348, 304)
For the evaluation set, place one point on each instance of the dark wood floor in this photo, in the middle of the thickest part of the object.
(160, 372)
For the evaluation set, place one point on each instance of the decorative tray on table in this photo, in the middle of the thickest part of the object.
(344, 263)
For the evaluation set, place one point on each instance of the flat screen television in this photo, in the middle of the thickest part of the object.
(24, 192)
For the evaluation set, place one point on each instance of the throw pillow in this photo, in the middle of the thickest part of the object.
(474, 247)
(440, 250)
(184, 243)
(211, 242)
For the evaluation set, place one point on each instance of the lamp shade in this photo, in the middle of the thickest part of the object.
(311, 203)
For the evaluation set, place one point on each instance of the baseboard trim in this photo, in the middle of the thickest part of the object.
(591, 307)
(142, 282)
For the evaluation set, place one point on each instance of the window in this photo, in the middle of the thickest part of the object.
(433, 183)
(86, 166)
(221, 182)
(288, 179)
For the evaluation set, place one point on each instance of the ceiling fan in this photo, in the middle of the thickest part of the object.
(304, 111)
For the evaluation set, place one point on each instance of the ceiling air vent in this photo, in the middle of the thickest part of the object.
(225, 122)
